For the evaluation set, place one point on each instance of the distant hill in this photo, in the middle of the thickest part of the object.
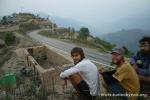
(128, 38)
(141, 21)
(62, 22)
(68, 22)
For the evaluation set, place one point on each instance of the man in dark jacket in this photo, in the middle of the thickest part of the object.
(141, 61)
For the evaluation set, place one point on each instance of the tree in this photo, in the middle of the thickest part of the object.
(14, 14)
(125, 50)
(4, 20)
(73, 30)
(84, 32)
(69, 29)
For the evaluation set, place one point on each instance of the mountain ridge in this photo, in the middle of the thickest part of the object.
(128, 38)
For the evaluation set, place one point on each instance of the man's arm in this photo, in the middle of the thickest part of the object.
(65, 76)
(73, 70)
(139, 70)
(133, 61)
(144, 71)
(69, 72)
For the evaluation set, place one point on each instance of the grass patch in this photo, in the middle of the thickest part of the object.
(5, 54)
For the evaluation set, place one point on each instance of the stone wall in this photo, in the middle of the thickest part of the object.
(50, 59)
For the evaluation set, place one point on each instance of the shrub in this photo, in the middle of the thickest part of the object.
(10, 38)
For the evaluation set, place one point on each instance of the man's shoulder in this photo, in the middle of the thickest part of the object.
(125, 66)
(85, 61)
(138, 54)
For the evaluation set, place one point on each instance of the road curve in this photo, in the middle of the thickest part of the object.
(91, 54)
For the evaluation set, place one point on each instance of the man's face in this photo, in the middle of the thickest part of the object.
(144, 47)
(76, 58)
(116, 58)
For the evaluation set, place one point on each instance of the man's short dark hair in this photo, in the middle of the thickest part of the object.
(78, 50)
(145, 39)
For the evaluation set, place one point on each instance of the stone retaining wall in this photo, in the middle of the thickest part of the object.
(35, 57)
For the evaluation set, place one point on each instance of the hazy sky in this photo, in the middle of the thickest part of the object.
(93, 12)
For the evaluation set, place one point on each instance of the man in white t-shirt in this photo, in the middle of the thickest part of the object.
(84, 75)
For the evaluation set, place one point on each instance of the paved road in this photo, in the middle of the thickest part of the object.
(90, 53)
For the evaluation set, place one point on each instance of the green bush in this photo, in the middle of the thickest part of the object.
(9, 38)
(8, 98)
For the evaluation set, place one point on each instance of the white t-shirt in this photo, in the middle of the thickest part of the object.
(88, 72)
